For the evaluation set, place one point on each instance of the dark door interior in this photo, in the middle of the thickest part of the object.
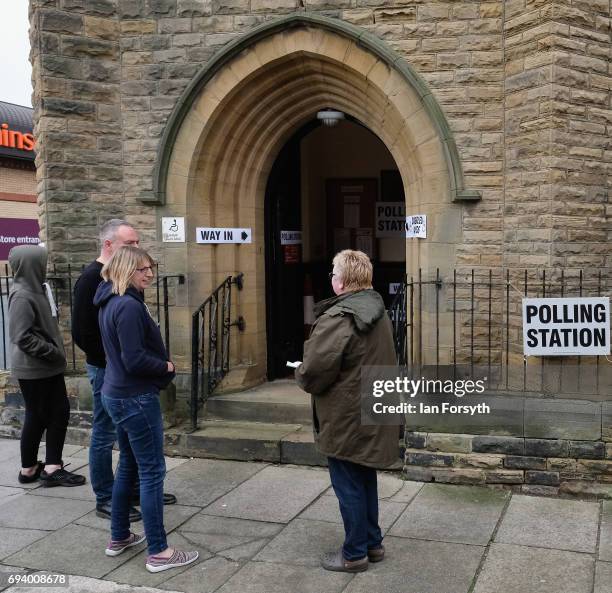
(284, 268)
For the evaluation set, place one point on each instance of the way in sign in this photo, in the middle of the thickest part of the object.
(210, 235)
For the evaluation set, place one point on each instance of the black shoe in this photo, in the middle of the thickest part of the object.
(168, 499)
(104, 511)
(29, 479)
(61, 477)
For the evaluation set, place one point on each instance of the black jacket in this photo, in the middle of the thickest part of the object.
(85, 329)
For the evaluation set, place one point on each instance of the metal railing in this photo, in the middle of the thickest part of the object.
(210, 342)
(398, 314)
(473, 318)
(62, 282)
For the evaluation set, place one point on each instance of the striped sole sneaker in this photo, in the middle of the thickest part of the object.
(115, 548)
(178, 558)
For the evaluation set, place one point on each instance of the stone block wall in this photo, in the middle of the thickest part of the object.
(558, 116)
(527, 465)
(516, 79)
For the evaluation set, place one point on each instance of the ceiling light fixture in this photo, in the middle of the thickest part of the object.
(330, 117)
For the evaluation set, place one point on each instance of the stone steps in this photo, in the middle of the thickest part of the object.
(281, 402)
(271, 422)
(245, 441)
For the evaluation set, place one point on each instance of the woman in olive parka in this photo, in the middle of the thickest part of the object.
(352, 329)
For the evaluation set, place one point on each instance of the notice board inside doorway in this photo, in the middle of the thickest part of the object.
(351, 215)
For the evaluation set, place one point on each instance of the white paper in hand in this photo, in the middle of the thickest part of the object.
(294, 365)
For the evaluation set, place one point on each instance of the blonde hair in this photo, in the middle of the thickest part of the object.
(122, 266)
(354, 269)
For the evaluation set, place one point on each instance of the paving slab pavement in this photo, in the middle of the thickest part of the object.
(605, 541)
(261, 528)
(275, 494)
(456, 514)
(520, 569)
(551, 523)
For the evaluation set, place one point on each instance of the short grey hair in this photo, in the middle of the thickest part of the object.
(109, 229)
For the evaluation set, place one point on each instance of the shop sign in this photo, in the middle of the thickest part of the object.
(15, 139)
(211, 235)
(566, 326)
(17, 231)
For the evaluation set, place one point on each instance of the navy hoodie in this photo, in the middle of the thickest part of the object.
(136, 358)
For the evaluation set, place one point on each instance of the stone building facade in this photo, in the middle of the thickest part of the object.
(497, 113)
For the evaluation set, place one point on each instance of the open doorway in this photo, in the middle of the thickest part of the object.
(331, 188)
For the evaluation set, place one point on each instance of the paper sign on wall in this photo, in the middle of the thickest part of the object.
(416, 226)
(390, 219)
(291, 237)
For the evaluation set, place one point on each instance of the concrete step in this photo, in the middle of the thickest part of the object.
(246, 441)
(275, 402)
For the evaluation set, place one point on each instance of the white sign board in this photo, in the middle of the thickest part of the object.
(416, 226)
(390, 219)
(208, 235)
(173, 229)
(566, 327)
(291, 237)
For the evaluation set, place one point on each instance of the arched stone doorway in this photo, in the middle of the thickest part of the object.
(228, 129)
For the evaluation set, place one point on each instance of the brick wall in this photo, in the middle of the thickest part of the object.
(17, 181)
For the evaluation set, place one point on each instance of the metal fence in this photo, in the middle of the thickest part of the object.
(62, 282)
(210, 342)
(472, 319)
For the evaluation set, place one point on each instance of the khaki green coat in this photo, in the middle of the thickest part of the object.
(350, 331)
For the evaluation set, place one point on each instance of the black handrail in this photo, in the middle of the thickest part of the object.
(210, 342)
(397, 313)
(165, 303)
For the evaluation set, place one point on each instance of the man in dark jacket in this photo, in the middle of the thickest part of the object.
(351, 330)
(86, 334)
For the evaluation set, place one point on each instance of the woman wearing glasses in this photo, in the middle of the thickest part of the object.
(352, 329)
(137, 367)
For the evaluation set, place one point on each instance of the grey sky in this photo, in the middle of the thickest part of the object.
(15, 69)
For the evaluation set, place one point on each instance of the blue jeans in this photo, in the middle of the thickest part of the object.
(357, 491)
(141, 454)
(103, 437)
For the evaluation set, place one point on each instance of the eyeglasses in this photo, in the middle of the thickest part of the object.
(144, 270)
(331, 275)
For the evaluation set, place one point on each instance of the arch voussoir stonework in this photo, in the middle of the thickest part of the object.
(353, 47)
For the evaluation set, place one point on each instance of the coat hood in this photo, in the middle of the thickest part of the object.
(366, 307)
(104, 293)
(29, 265)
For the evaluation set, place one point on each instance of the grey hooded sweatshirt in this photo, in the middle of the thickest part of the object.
(37, 349)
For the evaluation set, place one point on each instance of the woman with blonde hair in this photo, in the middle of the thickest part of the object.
(137, 367)
(352, 329)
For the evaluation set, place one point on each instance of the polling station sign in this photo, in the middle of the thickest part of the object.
(390, 219)
(566, 327)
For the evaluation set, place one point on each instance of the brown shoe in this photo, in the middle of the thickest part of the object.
(336, 562)
(376, 554)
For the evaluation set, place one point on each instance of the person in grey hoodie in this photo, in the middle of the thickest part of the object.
(38, 362)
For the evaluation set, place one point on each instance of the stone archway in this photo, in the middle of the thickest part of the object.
(225, 134)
